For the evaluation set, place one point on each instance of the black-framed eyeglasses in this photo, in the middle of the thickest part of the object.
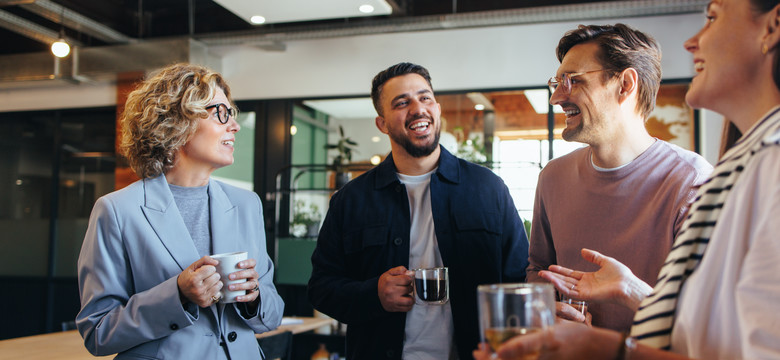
(224, 113)
(565, 80)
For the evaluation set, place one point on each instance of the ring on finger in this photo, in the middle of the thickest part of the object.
(215, 298)
(256, 288)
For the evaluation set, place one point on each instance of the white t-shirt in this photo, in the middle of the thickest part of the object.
(429, 329)
(728, 306)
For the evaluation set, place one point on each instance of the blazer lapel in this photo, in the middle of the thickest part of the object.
(224, 221)
(224, 226)
(164, 217)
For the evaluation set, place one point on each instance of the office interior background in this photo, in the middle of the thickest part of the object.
(297, 80)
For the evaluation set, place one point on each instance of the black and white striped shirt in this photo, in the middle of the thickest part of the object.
(654, 321)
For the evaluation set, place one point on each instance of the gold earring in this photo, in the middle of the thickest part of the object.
(764, 49)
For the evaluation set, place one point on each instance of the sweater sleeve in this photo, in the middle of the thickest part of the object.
(541, 251)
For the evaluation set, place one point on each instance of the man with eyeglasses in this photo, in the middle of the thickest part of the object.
(625, 195)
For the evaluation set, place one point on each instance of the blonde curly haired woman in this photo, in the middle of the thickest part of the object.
(149, 289)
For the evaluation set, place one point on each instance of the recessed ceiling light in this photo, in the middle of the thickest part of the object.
(375, 139)
(539, 99)
(479, 107)
(257, 19)
(366, 9)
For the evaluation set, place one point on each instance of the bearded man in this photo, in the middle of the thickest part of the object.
(420, 208)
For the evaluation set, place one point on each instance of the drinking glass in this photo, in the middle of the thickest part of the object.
(509, 310)
(431, 286)
(580, 305)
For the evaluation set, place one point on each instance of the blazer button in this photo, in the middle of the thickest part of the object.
(398, 188)
(232, 336)
(398, 241)
(390, 353)
(174, 327)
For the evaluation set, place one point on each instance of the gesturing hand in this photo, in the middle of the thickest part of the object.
(613, 282)
(394, 288)
(199, 282)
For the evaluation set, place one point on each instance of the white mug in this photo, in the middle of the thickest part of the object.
(228, 263)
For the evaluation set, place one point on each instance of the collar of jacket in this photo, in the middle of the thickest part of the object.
(448, 170)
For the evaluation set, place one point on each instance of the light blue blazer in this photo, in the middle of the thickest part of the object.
(135, 247)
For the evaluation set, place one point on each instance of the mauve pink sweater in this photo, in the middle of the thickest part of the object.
(631, 214)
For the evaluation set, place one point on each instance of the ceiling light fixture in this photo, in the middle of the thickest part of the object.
(60, 48)
(257, 20)
(366, 9)
(293, 129)
(540, 100)
(479, 99)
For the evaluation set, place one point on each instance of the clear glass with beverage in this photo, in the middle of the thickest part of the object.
(509, 310)
(431, 286)
(580, 305)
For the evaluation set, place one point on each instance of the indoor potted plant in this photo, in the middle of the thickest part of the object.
(472, 149)
(344, 148)
(306, 219)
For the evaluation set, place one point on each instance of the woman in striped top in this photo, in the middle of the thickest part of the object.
(716, 295)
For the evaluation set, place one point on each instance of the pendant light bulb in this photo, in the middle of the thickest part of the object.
(60, 48)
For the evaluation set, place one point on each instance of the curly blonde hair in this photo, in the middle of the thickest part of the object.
(162, 115)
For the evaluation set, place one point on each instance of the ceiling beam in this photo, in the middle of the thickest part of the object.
(29, 29)
(73, 20)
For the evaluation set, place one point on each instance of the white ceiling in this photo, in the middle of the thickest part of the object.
(355, 108)
(279, 11)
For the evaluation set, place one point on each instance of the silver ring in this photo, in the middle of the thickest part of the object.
(216, 298)
(572, 287)
(256, 288)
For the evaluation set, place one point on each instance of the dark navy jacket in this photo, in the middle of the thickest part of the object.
(366, 232)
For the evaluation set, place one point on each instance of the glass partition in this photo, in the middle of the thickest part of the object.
(509, 131)
(86, 172)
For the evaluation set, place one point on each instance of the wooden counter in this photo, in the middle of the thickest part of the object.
(308, 324)
(68, 345)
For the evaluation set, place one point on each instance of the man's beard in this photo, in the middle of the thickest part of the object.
(414, 150)
(572, 134)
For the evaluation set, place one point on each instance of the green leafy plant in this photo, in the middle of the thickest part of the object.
(305, 214)
(344, 148)
(306, 219)
(472, 150)
(527, 225)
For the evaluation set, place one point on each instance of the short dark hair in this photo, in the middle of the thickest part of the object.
(399, 69)
(621, 48)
